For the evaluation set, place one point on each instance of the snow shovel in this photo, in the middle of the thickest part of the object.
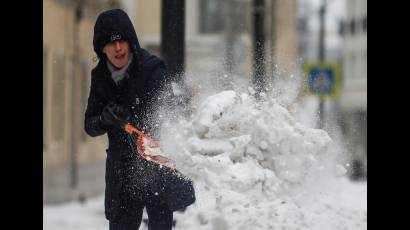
(147, 148)
(176, 189)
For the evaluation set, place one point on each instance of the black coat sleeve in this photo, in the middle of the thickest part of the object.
(94, 109)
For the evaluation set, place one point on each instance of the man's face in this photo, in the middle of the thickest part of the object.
(118, 53)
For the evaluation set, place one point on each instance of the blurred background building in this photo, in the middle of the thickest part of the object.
(219, 44)
(345, 44)
(354, 98)
(73, 163)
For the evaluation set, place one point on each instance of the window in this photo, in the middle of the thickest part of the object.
(213, 15)
(153, 48)
(354, 66)
(210, 16)
(84, 81)
(341, 28)
(365, 63)
(44, 98)
(58, 98)
(352, 26)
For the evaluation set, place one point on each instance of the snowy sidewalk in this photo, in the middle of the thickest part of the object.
(349, 203)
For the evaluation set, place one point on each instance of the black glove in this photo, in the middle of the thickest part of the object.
(113, 115)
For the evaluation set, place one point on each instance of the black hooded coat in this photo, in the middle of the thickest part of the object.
(127, 175)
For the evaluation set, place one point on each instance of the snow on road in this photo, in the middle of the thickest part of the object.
(344, 205)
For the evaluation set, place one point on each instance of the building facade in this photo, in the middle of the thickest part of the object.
(353, 100)
(73, 162)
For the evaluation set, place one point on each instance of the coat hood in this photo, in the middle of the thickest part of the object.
(114, 25)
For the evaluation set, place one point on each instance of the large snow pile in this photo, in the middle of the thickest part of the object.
(255, 167)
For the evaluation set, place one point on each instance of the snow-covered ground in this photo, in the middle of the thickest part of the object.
(344, 206)
(254, 167)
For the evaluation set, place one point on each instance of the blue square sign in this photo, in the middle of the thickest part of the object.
(321, 81)
(323, 78)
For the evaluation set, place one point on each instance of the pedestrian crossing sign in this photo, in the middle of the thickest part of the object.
(323, 79)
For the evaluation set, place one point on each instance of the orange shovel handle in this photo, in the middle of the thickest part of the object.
(130, 129)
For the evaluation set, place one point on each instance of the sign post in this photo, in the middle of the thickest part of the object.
(324, 81)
